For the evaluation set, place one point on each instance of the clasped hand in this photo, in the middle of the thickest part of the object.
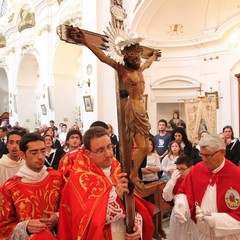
(38, 225)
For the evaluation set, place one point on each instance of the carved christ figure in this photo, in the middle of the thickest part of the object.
(137, 124)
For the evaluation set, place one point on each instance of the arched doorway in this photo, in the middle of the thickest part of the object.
(66, 92)
(238, 78)
(27, 96)
(4, 94)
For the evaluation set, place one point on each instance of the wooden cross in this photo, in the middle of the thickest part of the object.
(125, 149)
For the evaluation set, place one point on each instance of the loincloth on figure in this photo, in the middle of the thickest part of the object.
(136, 122)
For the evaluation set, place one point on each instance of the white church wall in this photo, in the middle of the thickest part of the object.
(184, 63)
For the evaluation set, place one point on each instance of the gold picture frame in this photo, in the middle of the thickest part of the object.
(145, 100)
(213, 95)
(88, 103)
(44, 109)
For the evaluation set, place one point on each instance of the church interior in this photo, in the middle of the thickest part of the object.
(44, 78)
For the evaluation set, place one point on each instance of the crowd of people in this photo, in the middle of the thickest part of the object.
(72, 188)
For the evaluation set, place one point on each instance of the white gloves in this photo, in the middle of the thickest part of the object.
(181, 208)
(168, 189)
(176, 174)
(180, 212)
(205, 216)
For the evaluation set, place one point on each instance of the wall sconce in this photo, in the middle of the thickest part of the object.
(81, 84)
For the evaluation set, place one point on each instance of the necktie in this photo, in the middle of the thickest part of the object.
(213, 179)
(3, 140)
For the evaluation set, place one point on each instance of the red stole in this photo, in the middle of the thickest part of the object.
(195, 184)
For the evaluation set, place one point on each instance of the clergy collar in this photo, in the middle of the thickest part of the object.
(220, 167)
(107, 171)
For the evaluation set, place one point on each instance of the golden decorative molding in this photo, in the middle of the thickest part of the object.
(2, 41)
(26, 49)
(60, 1)
(27, 19)
(10, 50)
(175, 28)
(10, 18)
(46, 28)
(2, 64)
(75, 21)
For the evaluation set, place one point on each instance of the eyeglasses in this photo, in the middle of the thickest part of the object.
(207, 155)
(99, 151)
(182, 169)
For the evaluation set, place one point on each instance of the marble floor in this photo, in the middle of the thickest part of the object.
(165, 226)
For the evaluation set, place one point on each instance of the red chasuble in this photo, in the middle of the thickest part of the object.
(227, 184)
(84, 203)
(23, 201)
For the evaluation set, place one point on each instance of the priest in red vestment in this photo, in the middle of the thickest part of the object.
(91, 205)
(211, 192)
(29, 200)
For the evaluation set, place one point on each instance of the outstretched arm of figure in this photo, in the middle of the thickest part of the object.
(79, 36)
(150, 60)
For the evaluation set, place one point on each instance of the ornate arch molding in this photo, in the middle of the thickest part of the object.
(173, 88)
(238, 78)
(175, 82)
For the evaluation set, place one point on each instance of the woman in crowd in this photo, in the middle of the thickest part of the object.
(232, 145)
(168, 162)
(51, 132)
(179, 134)
(153, 165)
(53, 155)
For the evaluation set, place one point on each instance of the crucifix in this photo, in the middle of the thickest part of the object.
(125, 57)
(200, 90)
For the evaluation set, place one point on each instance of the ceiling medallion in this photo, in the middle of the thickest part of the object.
(175, 28)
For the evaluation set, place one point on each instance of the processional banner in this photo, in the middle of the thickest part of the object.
(200, 115)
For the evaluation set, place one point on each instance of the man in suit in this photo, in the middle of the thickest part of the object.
(3, 135)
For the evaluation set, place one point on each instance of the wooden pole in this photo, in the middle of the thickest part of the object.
(125, 147)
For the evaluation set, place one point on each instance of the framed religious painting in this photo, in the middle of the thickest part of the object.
(44, 109)
(88, 103)
(213, 95)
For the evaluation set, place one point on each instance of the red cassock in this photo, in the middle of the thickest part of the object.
(227, 184)
(24, 201)
(84, 203)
